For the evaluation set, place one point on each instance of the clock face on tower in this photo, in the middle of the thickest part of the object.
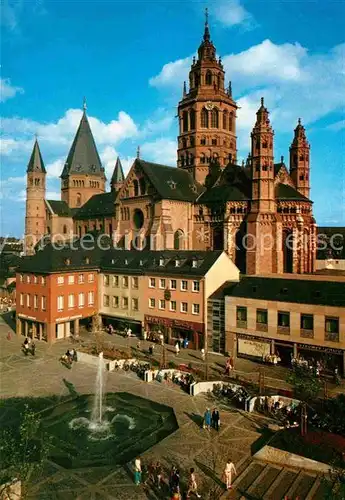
(209, 106)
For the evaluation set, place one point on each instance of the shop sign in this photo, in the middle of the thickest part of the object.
(252, 337)
(329, 350)
(27, 317)
(69, 318)
(174, 323)
(253, 348)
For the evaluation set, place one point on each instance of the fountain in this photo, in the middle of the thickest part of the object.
(97, 411)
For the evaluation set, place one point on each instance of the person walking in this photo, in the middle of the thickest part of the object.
(137, 471)
(192, 485)
(215, 419)
(158, 474)
(227, 367)
(33, 348)
(177, 349)
(203, 355)
(228, 471)
(207, 419)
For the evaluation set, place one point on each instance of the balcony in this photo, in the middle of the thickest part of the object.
(283, 330)
(307, 334)
(261, 327)
(332, 337)
(241, 323)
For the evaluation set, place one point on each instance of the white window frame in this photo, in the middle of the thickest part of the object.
(135, 282)
(43, 280)
(43, 302)
(35, 301)
(21, 278)
(198, 286)
(81, 299)
(28, 278)
(193, 309)
(60, 303)
(171, 287)
(123, 303)
(152, 303)
(152, 280)
(106, 280)
(181, 285)
(181, 308)
(106, 300)
(160, 283)
(27, 300)
(91, 277)
(21, 300)
(116, 306)
(171, 308)
(116, 281)
(161, 301)
(71, 301)
(81, 278)
(35, 280)
(124, 279)
(71, 279)
(91, 298)
(60, 280)
(137, 300)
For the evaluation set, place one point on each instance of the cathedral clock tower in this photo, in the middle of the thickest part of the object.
(207, 114)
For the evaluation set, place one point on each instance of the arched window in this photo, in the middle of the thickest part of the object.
(184, 143)
(78, 203)
(64, 229)
(196, 79)
(203, 141)
(142, 185)
(225, 120)
(185, 121)
(218, 80)
(179, 240)
(231, 122)
(136, 187)
(208, 79)
(202, 158)
(191, 159)
(182, 161)
(192, 119)
(82, 183)
(204, 118)
(214, 118)
(192, 142)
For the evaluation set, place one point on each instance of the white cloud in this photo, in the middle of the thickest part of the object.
(172, 73)
(53, 195)
(54, 168)
(7, 90)
(161, 121)
(233, 13)
(340, 125)
(159, 151)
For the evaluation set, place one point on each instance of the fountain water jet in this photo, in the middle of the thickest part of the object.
(97, 411)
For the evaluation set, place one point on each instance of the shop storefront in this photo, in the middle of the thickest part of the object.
(177, 330)
(251, 347)
(120, 324)
(330, 358)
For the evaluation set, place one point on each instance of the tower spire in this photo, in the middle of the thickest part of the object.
(138, 152)
(84, 104)
(207, 29)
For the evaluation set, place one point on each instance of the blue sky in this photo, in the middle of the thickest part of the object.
(130, 59)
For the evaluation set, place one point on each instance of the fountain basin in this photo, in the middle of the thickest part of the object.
(130, 425)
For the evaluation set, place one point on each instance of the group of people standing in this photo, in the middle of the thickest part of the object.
(211, 419)
(29, 346)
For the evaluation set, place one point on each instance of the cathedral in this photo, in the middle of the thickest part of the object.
(258, 211)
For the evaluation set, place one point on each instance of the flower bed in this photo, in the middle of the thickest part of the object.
(109, 352)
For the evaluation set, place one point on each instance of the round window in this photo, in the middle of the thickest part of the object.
(138, 219)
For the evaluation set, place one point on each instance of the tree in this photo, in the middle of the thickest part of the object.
(23, 452)
(306, 385)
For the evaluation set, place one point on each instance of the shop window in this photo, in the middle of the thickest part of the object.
(196, 286)
(152, 303)
(241, 317)
(152, 282)
(173, 305)
(172, 284)
(135, 283)
(332, 329)
(261, 319)
(106, 300)
(184, 307)
(135, 304)
(184, 285)
(196, 309)
(162, 304)
(162, 283)
(115, 301)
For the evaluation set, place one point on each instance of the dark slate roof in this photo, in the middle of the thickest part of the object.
(277, 167)
(326, 293)
(286, 192)
(60, 208)
(83, 157)
(331, 243)
(107, 258)
(118, 175)
(148, 262)
(232, 185)
(171, 183)
(99, 205)
(36, 162)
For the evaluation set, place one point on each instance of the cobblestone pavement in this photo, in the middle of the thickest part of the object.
(189, 446)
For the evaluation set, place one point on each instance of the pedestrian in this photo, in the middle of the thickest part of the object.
(229, 469)
(33, 348)
(192, 485)
(203, 354)
(129, 332)
(137, 471)
(173, 479)
(227, 367)
(144, 334)
(215, 419)
(158, 473)
(207, 419)
(177, 349)
(151, 349)
(138, 345)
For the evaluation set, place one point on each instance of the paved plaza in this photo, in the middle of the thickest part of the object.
(189, 446)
